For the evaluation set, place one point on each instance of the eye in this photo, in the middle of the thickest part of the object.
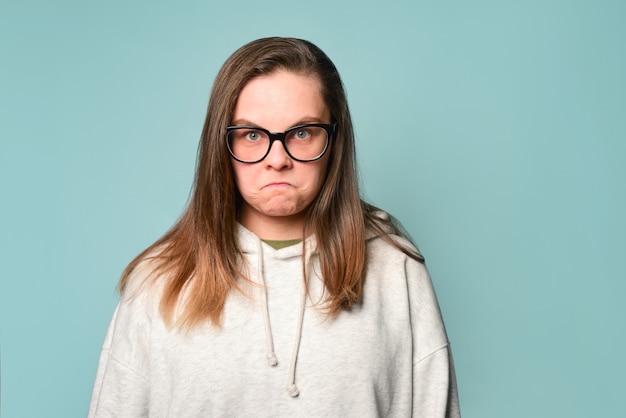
(301, 134)
(253, 136)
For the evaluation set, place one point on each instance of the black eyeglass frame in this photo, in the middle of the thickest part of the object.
(330, 129)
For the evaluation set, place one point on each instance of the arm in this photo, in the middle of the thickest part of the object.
(434, 381)
(434, 386)
(122, 386)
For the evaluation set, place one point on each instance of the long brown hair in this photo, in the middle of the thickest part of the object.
(201, 254)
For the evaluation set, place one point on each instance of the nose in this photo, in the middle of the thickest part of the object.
(278, 157)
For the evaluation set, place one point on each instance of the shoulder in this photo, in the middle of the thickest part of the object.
(386, 236)
(136, 314)
(390, 253)
(143, 289)
(147, 273)
(396, 258)
(401, 278)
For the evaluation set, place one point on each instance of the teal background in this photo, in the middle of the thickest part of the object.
(494, 130)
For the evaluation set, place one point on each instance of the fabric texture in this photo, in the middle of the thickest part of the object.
(277, 354)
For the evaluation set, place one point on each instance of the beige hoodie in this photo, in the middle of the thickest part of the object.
(278, 355)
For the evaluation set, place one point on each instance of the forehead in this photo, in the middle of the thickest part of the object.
(274, 81)
(281, 99)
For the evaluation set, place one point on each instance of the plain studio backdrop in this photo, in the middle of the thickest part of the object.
(494, 130)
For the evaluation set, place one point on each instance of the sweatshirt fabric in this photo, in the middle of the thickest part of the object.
(277, 354)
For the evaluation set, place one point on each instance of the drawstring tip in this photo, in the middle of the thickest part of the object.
(292, 390)
(271, 359)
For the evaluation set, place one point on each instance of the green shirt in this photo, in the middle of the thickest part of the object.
(277, 244)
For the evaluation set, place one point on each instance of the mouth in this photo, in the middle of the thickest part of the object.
(277, 184)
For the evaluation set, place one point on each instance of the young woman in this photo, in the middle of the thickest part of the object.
(279, 292)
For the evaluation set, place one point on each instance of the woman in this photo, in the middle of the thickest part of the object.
(278, 292)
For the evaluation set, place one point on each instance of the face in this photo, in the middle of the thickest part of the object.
(278, 190)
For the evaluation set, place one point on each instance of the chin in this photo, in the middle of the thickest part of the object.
(282, 213)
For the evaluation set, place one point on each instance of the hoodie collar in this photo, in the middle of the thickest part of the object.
(249, 244)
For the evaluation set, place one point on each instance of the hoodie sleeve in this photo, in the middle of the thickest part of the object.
(122, 386)
(434, 381)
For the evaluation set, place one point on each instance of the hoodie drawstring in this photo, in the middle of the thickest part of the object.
(292, 389)
(270, 355)
(269, 341)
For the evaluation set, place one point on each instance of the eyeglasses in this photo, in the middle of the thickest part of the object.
(251, 144)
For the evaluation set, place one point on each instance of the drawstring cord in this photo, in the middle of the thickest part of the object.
(270, 355)
(292, 389)
(269, 341)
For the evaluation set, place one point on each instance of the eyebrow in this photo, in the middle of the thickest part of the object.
(303, 121)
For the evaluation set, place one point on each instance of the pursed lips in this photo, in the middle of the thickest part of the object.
(277, 184)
